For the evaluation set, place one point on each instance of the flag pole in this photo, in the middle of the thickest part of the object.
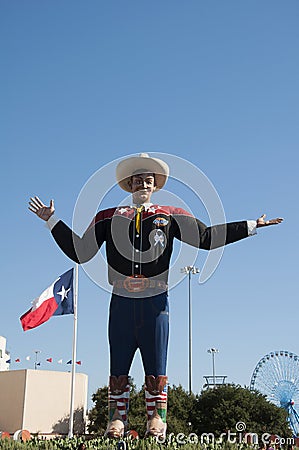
(71, 421)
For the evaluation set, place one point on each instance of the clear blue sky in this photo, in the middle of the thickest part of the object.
(216, 83)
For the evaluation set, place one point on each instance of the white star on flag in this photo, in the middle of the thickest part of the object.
(49, 304)
(63, 293)
(122, 210)
(151, 209)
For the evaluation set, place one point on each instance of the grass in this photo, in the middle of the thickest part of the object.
(102, 443)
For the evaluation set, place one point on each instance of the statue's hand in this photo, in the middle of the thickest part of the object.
(41, 210)
(261, 222)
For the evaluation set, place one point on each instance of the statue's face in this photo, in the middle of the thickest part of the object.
(142, 186)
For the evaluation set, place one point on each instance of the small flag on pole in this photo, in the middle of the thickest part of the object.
(49, 360)
(56, 300)
(27, 358)
(79, 363)
(17, 360)
(69, 362)
(59, 361)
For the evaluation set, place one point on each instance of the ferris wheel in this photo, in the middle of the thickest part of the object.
(276, 375)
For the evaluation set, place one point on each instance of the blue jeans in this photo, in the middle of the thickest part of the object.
(139, 323)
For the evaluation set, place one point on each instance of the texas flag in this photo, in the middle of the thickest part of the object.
(56, 300)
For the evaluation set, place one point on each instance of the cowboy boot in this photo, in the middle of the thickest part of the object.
(156, 405)
(118, 405)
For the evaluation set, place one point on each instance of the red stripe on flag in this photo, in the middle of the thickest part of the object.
(32, 319)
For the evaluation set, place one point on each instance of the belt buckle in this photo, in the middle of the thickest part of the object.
(136, 283)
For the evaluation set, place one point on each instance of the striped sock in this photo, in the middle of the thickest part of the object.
(156, 402)
(118, 402)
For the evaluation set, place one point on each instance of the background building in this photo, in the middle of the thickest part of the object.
(39, 401)
(4, 355)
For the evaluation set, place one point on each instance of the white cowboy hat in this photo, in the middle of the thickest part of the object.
(141, 164)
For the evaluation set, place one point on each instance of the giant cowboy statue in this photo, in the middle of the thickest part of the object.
(139, 241)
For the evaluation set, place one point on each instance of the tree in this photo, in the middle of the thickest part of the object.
(98, 415)
(180, 407)
(220, 409)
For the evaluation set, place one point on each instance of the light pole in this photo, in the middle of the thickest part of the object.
(36, 363)
(190, 270)
(213, 351)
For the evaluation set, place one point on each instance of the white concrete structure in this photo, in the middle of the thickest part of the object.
(4, 355)
(39, 401)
